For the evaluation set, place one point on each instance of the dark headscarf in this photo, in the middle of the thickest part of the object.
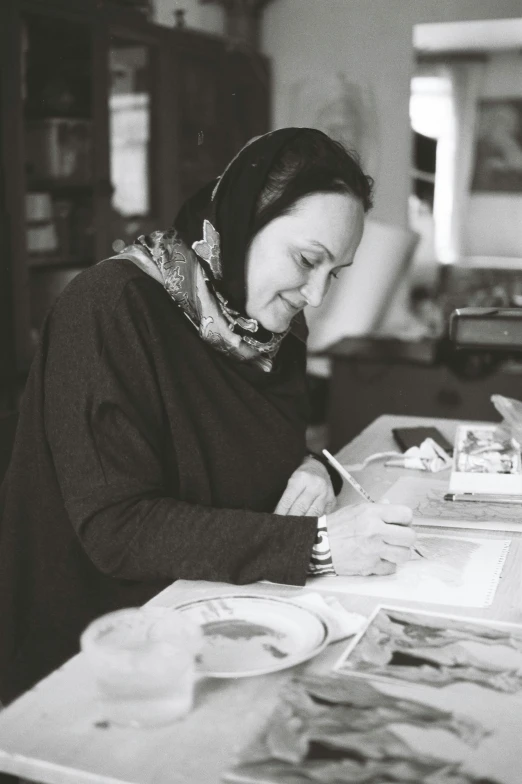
(232, 209)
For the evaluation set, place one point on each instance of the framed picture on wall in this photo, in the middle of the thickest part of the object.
(498, 152)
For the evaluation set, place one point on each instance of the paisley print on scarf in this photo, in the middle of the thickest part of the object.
(166, 258)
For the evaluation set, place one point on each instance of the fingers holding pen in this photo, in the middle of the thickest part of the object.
(397, 535)
(397, 514)
(364, 540)
(396, 520)
(383, 567)
(394, 554)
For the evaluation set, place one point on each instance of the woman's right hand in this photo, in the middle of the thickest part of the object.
(370, 538)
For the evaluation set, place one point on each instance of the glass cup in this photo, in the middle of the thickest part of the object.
(144, 663)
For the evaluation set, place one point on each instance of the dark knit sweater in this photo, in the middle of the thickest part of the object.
(142, 455)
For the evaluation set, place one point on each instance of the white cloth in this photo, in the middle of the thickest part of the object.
(429, 456)
(340, 622)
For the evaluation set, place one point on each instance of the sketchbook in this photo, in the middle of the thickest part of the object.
(426, 498)
(457, 571)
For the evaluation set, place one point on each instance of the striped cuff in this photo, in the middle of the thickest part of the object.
(321, 558)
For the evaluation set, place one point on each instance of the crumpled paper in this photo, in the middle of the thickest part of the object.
(341, 623)
(429, 456)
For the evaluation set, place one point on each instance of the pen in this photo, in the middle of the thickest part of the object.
(349, 478)
(484, 497)
(356, 486)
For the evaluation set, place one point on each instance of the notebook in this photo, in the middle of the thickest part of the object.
(457, 571)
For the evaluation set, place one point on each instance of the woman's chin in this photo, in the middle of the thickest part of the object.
(277, 326)
(274, 323)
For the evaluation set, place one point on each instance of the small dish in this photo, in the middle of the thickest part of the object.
(246, 635)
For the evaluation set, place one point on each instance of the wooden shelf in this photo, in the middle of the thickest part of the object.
(195, 82)
(57, 186)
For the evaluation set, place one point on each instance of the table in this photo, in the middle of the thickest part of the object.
(53, 732)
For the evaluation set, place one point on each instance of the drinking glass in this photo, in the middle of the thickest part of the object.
(144, 663)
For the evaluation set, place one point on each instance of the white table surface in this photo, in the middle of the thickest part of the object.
(50, 734)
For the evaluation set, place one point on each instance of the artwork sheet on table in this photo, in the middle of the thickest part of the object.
(416, 696)
(486, 459)
(456, 571)
(426, 498)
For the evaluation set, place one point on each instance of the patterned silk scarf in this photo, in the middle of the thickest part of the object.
(164, 256)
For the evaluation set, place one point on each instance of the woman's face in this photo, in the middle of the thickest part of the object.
(293, 260)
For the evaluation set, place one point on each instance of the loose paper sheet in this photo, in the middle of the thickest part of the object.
(457, 571)
(426, 498)
(417, 696)
(485, 460)
(436, 649)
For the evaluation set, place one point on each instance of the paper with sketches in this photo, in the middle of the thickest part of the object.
(426, 499)
(457, 571)
(331, 728)
(486, 459)
(436, 649)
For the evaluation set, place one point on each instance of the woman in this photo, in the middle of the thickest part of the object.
(162, 430)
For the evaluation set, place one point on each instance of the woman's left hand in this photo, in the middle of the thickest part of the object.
(309, 491)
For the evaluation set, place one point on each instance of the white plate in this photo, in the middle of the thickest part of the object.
(253, 635)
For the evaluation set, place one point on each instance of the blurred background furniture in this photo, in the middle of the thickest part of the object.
(8, 422)
(107, 123)
(378, 343)
(376, 375)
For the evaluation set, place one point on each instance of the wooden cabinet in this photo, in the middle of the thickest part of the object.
(108, 123)
(389, 378)
(223, 100)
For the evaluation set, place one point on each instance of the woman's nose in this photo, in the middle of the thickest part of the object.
(315, 288)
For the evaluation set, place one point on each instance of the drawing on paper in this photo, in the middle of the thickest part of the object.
(436, 649)
(485, 450)
(426, 499)
(433, 505)
(498, 155)
(458, 571)
(445, 562)
(446, 559)
(332, 729)
(344, 109)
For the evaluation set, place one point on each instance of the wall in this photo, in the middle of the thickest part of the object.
(207, 18)
(371, 42)
(503, 211)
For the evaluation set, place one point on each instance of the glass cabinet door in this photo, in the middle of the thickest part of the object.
(133, 200)
(88, 123)
(58, 122)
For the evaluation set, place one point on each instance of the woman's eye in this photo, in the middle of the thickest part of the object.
(306, 262)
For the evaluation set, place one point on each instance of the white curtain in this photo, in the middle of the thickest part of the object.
(455, 158)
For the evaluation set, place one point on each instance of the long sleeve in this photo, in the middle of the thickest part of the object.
(118, 433)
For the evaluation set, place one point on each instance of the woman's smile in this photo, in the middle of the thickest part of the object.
(293, 309)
